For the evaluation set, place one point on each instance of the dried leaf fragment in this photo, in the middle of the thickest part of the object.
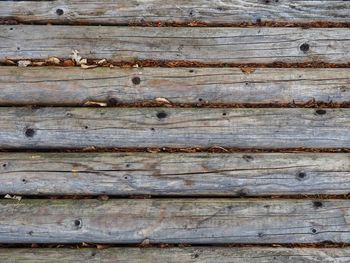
(95, 103)
(89, 148)
(145, 242)
(83, 61)
(38, 63)
(14, 197)
(24, 63)
(162, 101)
(68, 63)
(53, 60)
(102, 246)
(77, 58)
(84, 66)
(150, 150)
(248, 70)
(196, 23)
(102, 61)
(220, 148)
(9, 62)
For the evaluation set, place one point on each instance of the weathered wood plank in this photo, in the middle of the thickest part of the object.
(73, 86)
(172, 255)
(35, 128)
(195, 221)
(199, 174)
(183, 11)
(206, 45)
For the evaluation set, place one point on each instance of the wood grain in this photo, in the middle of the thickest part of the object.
(59, 128)
(195, 221)
(205, 45)
(172, 255)
(183, 174)
(181, 11)
(75, 87)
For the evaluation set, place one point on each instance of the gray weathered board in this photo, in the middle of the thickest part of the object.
(183, 11)
(74, 86)
(165, 174)
(178, 255)
(195, 221)
(55, 128)
(207, 45)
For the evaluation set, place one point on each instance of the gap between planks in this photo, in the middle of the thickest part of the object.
(172, 255)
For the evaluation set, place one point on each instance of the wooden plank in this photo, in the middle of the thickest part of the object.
(73, 86)
(184, 174)
(183, 11)
(206, 45)
(57, 128)
(195, 221)
(172, 255)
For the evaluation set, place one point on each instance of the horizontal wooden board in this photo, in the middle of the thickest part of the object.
(183, 11)
(172, 255)
(195, 221)
(74, 86)
(56, 128)
(206, 45)
(184, 174)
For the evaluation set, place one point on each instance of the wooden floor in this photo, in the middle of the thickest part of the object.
(179, 131)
